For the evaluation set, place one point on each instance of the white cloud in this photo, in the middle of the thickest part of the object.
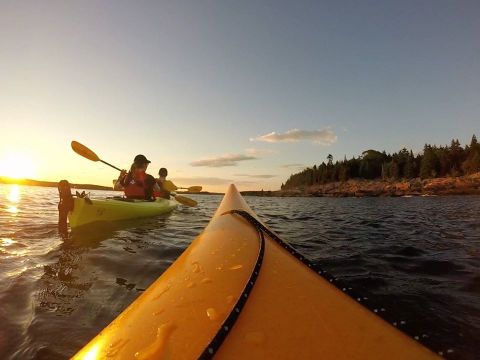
(223, 160)
(323, 137)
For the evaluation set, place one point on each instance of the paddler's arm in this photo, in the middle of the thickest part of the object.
(156, 188)
(118, 184)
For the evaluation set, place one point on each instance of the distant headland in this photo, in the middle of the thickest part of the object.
(31, 182)
(438, 170)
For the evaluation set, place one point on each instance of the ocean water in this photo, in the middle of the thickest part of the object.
(418, 258)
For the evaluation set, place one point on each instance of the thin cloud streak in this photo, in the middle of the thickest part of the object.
(201, 180)
(209, 181)
(259, 176)
(289, 166)
(260, 152)
(324, 137)
(223, 160)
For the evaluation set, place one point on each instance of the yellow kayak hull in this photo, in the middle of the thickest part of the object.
(86, 211)
(238, 292)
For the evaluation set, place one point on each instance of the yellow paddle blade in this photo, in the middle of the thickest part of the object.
(169, 186)
(185, 201)
(82, 150)
(195, 188)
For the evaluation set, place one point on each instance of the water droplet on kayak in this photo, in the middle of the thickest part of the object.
(255, 337)
(115, 343)
(115, 347)
(236, 267)
(190, 285)
(233, 255)
(229, 299)
(165, 289)
(212, 314)
(157, 348)
(196, 267)
(158, 312)
(219, 267)
(206, 281)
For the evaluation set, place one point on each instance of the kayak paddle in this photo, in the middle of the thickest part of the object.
(84, 151)
(170, 186)
(185, 200)
(192, 188)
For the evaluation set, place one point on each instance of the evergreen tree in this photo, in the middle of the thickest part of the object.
(472, 163)
(330, 160)
(343, 173)
(456, 157)
(408, 170)
(385, 171)
(394, 170)
(427, 166)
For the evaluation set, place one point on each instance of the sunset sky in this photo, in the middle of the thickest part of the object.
(231, 91)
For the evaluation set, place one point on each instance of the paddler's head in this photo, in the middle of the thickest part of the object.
(140, 163)
(162, 173)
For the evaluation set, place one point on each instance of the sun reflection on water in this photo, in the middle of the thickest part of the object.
(14, 194)
(12, 209)
(6, 241)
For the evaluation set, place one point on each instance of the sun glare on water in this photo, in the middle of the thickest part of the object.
(17, 166)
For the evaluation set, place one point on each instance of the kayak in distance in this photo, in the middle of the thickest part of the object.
(239, 292)
(86, 211)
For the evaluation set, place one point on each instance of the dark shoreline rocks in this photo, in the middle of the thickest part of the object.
(462, 185)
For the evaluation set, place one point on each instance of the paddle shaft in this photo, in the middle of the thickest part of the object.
(106, 163)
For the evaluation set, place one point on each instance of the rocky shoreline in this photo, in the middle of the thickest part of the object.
(462, 185)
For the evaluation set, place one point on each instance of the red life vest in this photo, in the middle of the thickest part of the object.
(134, 185)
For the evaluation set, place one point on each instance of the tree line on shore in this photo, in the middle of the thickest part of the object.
(434, 161)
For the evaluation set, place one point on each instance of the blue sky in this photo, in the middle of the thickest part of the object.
(192, 84)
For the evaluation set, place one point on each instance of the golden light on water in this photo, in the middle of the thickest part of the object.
(14, 194)
(12, 209)
(6, 241)
(17, 166)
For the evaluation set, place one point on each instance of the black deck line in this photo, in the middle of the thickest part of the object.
(339, 284)
(227, 325)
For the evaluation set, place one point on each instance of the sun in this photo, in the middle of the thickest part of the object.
(17, 166)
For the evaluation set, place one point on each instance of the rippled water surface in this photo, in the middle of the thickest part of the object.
(418, 258)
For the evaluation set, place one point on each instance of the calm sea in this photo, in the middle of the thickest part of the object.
(418, 258)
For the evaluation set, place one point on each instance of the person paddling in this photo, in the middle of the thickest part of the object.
(161, 182)
(136, 183)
